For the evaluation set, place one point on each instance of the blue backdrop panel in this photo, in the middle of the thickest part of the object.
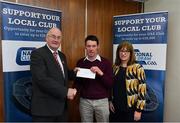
(148, 34)
(23, 30)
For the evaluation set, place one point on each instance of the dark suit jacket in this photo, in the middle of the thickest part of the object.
(49, 87)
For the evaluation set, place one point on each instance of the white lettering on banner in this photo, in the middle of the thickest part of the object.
(134, 25)
(30, 14)
(157, 20)
(25, 55)
(140, 21)
(47, 25)
(50, 17)
(136, 28)
(21, 22)
(126, 22)
(128, 29)
(151, 28)
(30, 23)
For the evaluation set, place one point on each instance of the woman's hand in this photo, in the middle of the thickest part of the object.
(111, 106)
(137, 115)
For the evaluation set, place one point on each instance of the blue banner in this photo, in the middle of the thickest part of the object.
(148, 34)
(23, 30)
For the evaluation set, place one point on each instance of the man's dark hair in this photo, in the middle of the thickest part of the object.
(92, 38)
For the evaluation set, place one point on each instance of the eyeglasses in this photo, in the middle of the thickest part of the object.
(55, 37)
(124, 51)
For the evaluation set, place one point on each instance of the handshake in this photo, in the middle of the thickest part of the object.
(71, 93)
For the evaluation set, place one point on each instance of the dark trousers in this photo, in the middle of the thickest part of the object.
(122, 116)
(60, 118)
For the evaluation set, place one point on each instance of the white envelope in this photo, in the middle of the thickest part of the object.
(85, 73)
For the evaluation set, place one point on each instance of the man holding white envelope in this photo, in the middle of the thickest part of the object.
(94, 81)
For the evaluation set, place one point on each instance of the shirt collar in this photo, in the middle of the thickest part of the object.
(52, 51)
(97, 58)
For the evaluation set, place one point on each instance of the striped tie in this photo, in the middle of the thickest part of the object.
(56, 58)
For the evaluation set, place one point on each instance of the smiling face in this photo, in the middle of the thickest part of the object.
(124, 55)
(53, 38)
(92, 49)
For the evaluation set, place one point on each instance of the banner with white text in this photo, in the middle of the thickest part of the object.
(148, 34)
(23, 30)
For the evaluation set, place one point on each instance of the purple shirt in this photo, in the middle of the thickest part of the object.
(99, 87)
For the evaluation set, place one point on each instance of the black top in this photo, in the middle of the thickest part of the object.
(119, 90)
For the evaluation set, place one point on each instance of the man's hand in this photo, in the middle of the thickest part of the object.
(76, 69)
(96, 69)
(71, 93)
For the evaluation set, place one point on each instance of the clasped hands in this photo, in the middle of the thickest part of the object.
(71, 93)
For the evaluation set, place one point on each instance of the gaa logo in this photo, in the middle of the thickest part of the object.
(23, 55)
(144, 58)
(22, 92)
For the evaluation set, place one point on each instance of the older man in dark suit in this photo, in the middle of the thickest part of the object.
(49, 80)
